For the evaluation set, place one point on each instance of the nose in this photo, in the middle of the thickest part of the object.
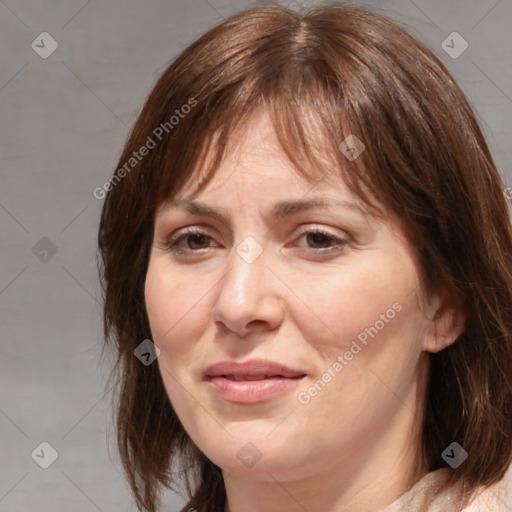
(248, 297)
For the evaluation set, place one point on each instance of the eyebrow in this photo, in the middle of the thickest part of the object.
(280, 210)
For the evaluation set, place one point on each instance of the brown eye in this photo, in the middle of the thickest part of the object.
(195, 238)
(321, 241)
(320, 238)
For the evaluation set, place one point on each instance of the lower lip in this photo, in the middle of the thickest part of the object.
(252, 391)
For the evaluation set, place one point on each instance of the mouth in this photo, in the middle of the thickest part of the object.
(239, 378)
(253, 381)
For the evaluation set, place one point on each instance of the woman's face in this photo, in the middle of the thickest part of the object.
(291, 335)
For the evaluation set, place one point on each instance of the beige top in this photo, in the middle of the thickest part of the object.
(497, 498)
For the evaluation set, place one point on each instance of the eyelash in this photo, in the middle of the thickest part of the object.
(171, 243)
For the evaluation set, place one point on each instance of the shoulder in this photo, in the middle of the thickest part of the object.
(496, 498)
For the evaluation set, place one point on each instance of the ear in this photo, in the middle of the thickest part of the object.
(447, 323)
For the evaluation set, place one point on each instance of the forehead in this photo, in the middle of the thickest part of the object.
(255, 164)
(254, 149)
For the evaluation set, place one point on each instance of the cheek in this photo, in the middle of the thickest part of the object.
(353, 301)
(175, 308)
(367, 323)
(177, 320)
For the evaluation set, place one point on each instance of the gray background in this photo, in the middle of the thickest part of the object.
(63, 122)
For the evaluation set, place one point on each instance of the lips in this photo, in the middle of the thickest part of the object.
(254, 369)
(251, 381)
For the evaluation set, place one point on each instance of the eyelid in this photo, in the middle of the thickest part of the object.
(314, 228)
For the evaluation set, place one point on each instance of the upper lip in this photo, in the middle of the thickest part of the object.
(251, 368)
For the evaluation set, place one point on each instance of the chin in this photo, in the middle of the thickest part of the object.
(251, 452)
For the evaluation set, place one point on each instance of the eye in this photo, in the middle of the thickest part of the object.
(323, 241)
(194, 239)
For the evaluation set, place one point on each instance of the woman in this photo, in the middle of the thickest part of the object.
(307, 223)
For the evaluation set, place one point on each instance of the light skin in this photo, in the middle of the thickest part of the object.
(355, 444)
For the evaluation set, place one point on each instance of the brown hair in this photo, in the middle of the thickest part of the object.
(426, 161)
